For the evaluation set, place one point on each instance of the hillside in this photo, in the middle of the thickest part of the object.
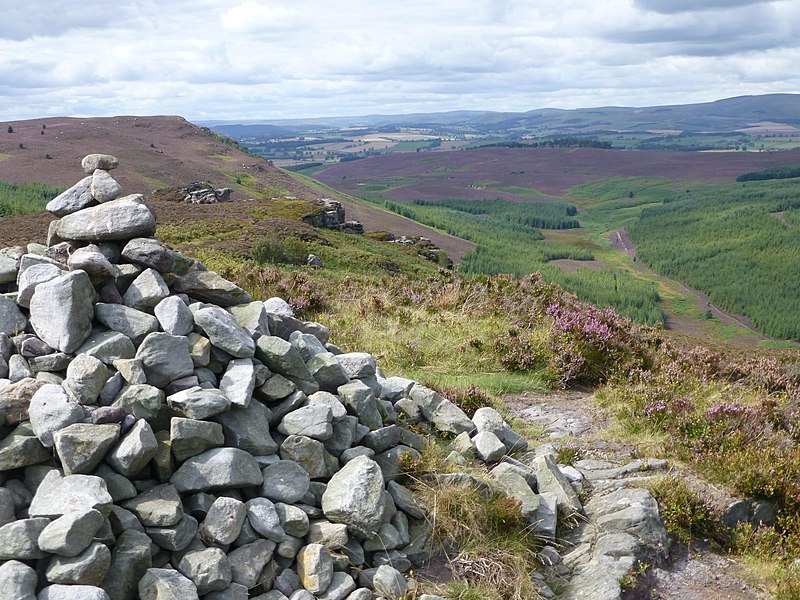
(163, 152)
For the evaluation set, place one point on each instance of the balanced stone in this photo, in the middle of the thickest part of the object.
(120, 219)
(104, 187)
(76, 198)
(61, 310)
(91, 162)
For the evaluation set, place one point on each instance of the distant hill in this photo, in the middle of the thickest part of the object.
(726, 115)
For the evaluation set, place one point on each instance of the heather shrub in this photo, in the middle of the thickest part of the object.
(289, 251)
(469, 399)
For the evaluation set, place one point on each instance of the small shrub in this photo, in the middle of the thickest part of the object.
(21, 146)
(10, 129)
(290, 251)
(686, 514)
(469, 399)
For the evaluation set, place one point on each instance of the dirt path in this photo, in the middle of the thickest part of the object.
(695, 573)
(621, 241)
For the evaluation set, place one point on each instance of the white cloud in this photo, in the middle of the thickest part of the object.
(260, 58)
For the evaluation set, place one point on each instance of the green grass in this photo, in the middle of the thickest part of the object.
(24, 198)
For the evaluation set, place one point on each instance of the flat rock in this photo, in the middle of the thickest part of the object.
(76, 198)
(158, 507)
(215, 469)
(189, 437)
(87, 568)
(91, 162)
(108, 346)
(57, 495)
(208, 286)
(133, 323)
(61, 311)
(121, 219)
(198, 403)
(151, 253)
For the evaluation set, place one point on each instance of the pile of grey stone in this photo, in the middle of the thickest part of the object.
(164, 436)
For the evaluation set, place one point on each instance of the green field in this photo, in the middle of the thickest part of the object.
(24, 198)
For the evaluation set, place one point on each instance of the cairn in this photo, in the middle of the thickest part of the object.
(164, 436)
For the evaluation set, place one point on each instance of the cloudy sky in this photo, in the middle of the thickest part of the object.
(251, 59)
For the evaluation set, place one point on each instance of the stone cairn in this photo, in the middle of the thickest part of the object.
(163, 436)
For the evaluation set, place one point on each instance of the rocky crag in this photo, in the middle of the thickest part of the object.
(165, 436)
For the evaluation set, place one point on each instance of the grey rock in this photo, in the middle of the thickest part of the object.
(76, 198)
(21, 448)
(331, 535)
(307, 345)
(239, 381)
(174, 538)
(62, 312)
(276, 388)
(18, 540)
(488, 419)
(223, 522)
(234, 591)
(120, 219)
(224, 332)
(57, 495)
(198, 403)
(130, 559)
(208, 569)
(338, 411)
(264, 518)
(16, 398)
(550, 479)
(357, 364)
(50, 411)
(146, 291)
(153, 254)
(126, 320)
(361, 402)
(218, 468)
(17, 581)
(132, 453)
(8, 269)
(91, 162)
(18, 368)
(165, 358)
(404, 499)
(26, 285)
(285, 481)
(354, 452)
(86, 375)
(252, 317)
(362, 594)
(158, 507)
(382, 439)
(248, 561)
(293, 519)
(445, 415)
(71, 534)
(391, 461)
(82, 446)
(315, 568)
(91, 260)
(389, 582)
(108, 346)
(395, 388)
(278, 306)
(189, 437)
(72, 592)
(104, 187)
(314, 421)
(143, 401)
(199, 349)
(515, 486)
(354, 496)
(87, 568)
(309, 453)
(174, 316)
(166, 584)
(208, 286)
(281, 357)
(327, 371)
(488, 446)
(248, 428)
(735, 513)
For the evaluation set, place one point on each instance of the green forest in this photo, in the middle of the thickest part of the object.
(738, 243)
(24, 198)
(506, 246)
(555, 215)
